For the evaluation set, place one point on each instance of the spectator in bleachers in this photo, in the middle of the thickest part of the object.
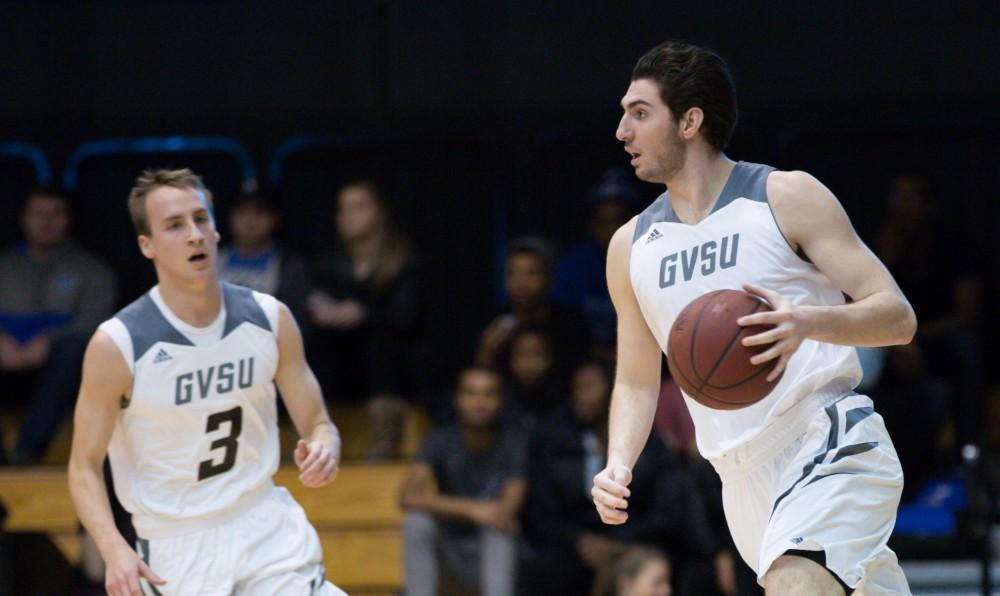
(639, 571)
(569, 543)
(364, 311)
(534, 383)
(255, 260)
(579, 279)
(530, 262)
(464, 493)
(942, 282)
(53, 294)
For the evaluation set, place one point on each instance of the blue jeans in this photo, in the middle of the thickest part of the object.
(53, 390)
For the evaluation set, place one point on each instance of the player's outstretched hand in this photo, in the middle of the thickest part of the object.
(791, 328)
(317, 464)
(611, 494)
(122, 573)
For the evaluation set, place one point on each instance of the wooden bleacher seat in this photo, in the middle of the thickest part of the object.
(357, 518)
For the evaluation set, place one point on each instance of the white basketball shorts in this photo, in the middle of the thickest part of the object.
(822, 481)
(267, 549)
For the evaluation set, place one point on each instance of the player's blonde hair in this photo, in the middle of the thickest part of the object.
(149, 181)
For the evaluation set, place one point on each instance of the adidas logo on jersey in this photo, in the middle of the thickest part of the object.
(162, 356)
(654, 235)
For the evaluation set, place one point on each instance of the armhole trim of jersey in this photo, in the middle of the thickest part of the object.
(798, 252)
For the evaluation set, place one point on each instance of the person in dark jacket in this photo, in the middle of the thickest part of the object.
(569, 542)
(364, 311)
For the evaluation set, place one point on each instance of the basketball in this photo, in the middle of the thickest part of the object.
(706, 355)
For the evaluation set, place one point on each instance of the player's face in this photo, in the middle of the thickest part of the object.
(478, 398)
(653, 580)
(357, 214)
(650, 133)
(527, 279)
(45, 221)
(530, 358)
(591, 391)
(182, 240)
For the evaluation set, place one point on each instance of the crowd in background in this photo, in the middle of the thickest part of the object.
(503, 479)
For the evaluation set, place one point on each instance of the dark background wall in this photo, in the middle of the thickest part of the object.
(261, 70)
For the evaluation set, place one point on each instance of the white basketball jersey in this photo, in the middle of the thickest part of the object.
(198, 433)
(672, 263)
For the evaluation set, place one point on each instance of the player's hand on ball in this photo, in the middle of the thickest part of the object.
(318, 465)
(123, 569)
(611, 494)
(791, 328)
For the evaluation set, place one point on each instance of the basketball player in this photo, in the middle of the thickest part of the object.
(810, 478)
(179, 390)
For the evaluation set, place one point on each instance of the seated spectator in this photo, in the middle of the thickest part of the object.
(364, 313)
(528, 283)
(579, 280)
(464, 493)
(255, 260)
(639, 571)
(533, 383)
(570, 543)
(53, 294)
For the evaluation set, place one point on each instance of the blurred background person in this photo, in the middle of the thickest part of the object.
(940, 371)
(534, 384)
(255, 259)
(579, 277)
(638, 571)
(569, 543)
(53, 294)
(364, 311)
(528, 284)
(463, 495)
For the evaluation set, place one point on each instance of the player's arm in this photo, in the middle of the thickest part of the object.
(106, 380)
(813, 220)
(637, 385)
(318, 451)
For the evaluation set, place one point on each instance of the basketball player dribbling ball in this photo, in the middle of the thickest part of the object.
(810, 478)
(178, 390)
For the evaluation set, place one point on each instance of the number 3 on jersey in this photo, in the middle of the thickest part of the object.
(234, 417)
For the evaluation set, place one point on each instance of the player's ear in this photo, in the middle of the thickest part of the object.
(691, 122)
(146, 246)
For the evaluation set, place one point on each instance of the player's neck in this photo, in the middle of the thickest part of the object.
(196, 304)
(696, 187)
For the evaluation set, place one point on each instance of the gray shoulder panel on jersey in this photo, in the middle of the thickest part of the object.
(748, 181)
(659, 211)
(146, 325)
(242, 307)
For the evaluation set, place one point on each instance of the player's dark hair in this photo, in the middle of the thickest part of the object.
(152, 179)
(690, 76)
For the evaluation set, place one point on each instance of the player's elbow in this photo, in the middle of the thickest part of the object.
(907, 327)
